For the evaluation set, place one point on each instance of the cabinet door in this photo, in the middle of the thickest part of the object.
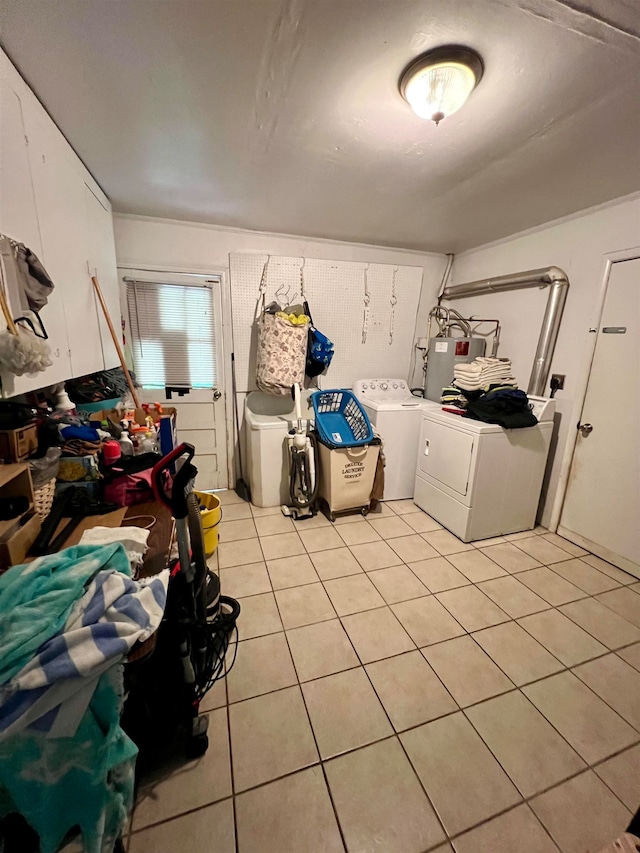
(60, 198)
(102, 263)
(19, 219)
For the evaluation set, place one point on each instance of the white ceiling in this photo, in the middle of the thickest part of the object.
(284, 115)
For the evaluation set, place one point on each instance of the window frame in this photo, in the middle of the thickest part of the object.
(212, 282)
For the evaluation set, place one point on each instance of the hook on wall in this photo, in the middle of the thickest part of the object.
(302, 293)
(393, 302)
(367, 300)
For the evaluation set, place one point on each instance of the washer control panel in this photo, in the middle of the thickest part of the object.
(381, 389)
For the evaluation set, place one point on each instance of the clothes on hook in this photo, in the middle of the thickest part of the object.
(24, 271)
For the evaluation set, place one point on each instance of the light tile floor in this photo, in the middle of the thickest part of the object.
(399, 691)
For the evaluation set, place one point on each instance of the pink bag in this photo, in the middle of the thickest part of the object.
(129, 489)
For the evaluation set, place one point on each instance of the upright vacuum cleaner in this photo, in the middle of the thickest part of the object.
(303, 469)
(166, 689)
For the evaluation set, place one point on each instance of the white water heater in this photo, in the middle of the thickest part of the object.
(444, 354)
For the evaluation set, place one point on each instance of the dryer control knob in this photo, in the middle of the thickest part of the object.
(395, 384)
(384, 386)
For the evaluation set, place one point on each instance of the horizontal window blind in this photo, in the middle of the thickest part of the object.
(172, 334)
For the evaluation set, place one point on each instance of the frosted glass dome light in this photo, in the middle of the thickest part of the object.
(438, 83)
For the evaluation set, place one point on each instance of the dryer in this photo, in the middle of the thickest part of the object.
(480, 480)
(396, 414)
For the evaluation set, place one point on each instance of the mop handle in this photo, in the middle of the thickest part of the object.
(7, 314)
(116, 343)
(298, 405)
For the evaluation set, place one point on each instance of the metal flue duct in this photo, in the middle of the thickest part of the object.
(552, 277)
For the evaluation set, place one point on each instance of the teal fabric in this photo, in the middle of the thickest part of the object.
(36, 598)
(85, 780)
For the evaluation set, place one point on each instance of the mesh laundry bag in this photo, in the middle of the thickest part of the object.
(282, 352)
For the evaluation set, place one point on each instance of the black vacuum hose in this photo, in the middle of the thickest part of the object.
(299, 473)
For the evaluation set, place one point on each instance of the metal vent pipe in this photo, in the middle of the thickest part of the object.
(552, 277)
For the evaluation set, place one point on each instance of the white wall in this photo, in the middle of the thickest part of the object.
(175, 246)
(193, 247)
(577, 244)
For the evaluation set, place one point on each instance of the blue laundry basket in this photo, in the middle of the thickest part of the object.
(340, 419)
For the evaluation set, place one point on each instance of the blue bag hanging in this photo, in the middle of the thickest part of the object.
(319, 349)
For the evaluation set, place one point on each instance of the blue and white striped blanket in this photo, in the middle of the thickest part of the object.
(51, 692)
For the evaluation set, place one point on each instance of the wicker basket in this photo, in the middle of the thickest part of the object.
(43, 498)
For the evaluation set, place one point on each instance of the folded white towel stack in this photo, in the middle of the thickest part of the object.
(482, 372)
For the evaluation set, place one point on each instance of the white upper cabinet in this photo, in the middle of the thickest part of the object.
(49, 202)
(17, 201)
(102, 264)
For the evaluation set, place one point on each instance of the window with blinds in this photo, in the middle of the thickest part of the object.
(172, 334)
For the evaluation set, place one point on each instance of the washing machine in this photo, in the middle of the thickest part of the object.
(396, 415)
(480, 480)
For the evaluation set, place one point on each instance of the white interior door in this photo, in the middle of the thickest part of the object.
(602, 505)
(201, 411)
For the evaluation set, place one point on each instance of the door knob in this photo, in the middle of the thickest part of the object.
(216, 395)
(585, 429)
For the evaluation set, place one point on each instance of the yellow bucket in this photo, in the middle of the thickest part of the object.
(210, 517)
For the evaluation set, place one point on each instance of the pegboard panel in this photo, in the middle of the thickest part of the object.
(335, 291)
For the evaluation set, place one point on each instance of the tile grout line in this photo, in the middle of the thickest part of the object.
(420, 649)
(524, 800)
(469, 633)
(313, 733)
(588, 767)
(392, 727)
(393, 735)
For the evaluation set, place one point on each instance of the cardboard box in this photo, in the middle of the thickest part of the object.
(15, 543)
(17, 534)
(16, 445)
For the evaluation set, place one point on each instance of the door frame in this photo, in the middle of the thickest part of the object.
(221, 273)
(582, 384)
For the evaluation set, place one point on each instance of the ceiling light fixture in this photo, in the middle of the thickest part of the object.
(438, 83)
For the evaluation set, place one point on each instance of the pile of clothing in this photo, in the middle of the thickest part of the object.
(66, 623)
(485, 390)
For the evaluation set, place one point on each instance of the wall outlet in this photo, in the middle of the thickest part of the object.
(558, 380)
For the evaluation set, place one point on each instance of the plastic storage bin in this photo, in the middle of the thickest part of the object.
(346, 477)
(340, 419)
(267, 421)
(210, 517)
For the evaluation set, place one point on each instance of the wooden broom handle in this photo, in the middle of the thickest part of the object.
(116, 342)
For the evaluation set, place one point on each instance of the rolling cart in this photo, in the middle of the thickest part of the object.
(348, 453)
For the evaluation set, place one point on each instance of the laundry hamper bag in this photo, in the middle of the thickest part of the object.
(346, 476)
(282, 354)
